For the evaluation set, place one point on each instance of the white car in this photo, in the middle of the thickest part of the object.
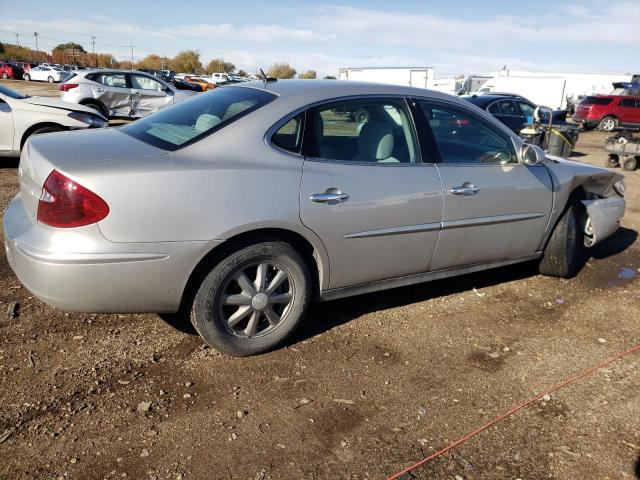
(22, 116)
(46, 74)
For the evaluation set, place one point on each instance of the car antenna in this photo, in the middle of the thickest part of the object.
(266, 79)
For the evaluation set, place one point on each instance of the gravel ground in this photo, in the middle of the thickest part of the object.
(370, 385)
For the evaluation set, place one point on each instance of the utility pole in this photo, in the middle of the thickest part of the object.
(131, 45)
(93, 49)
(35, 34)
(18, 40)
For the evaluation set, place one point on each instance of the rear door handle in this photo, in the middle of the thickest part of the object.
(331, 195)
(467, 189)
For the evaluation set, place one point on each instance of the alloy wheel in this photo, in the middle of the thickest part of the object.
(256, 299)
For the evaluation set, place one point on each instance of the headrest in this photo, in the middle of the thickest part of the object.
(206, 122)
(375, 140)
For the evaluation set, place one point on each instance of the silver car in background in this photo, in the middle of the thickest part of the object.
(243, 205)
(120, 93)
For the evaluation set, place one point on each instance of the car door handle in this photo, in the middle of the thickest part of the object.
(100, 90)
(467, 189)
(332, 195)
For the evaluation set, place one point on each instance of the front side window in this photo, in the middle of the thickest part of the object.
(289, 136)
(526, 109)
(145, 83)
(464, 138)
(365, 130)
(190, 120)
(111, 79)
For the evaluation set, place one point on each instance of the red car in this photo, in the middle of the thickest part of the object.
(10, 71)
(608, 112)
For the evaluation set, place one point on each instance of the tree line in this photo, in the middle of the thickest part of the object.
(186, 61)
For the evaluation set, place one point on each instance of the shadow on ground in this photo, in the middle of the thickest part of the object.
(327, 315)
(10, 162)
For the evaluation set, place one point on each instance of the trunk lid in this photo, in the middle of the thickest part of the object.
(64, 150)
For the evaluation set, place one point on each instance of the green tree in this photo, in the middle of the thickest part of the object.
(218, 65)
(281, 70)
(308, 75)
(187, 61)
(63, 47)
(1, 48)
(329, 77)
(242, 73)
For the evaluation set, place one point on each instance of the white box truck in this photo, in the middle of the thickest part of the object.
(420, 77)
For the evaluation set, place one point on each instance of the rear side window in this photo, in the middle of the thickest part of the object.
(111, 79)
(508, 108)
(365, 130)
(189, 121)
(465, 138)
(494, 109)
(289, 136)
(595, 101)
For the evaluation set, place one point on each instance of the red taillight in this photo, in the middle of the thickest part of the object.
(67, 204)
(65, 87)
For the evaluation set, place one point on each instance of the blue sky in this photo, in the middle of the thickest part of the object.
(452, 36)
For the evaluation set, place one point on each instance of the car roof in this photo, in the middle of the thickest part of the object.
(317, 90)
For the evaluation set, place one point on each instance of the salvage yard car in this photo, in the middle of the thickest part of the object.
(22, 116)
(243, 205)
(119, 93)
(45, 74)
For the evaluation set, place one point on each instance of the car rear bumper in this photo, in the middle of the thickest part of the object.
(79, 270)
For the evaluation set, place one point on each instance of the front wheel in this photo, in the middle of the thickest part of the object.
(563, 252)
(4, 75)
(253, 300)
(608, 124)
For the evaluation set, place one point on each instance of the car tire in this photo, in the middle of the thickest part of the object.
(50, 80)
(608, 124)
(629, 164)
(26, 77)
(5, 76)
(240, 308)
(562, 255)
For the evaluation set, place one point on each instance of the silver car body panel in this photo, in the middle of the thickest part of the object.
(168, 210)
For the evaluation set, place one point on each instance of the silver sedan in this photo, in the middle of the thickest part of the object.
(243, 205)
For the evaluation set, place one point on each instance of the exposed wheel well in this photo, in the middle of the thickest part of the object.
(242, 240)
(37, 126)
(98, 103)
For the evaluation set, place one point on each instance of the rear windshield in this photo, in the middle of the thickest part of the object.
(190, 120)
(595, 101)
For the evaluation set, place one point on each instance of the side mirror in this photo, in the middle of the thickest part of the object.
(531, 154)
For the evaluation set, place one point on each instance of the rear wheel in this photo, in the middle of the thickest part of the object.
(629, 164)
(26, 77)
(563, 252)
(253, 300)
(4, 75)
(608, 124)
(50, 80)
(38, 131)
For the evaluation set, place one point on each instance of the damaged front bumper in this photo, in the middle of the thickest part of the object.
(603, 220)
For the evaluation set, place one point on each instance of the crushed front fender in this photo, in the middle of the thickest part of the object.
(603, 220)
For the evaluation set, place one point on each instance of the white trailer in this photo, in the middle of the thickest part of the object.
(420, 77)
(551, 89)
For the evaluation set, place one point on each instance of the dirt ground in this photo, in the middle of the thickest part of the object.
(370, 385)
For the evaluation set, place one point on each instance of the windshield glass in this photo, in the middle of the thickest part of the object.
(11, 93)
(190, 120)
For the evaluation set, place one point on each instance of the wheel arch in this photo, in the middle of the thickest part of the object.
(29, 131)
(575, 196)
(311, 249)
(103, 108)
